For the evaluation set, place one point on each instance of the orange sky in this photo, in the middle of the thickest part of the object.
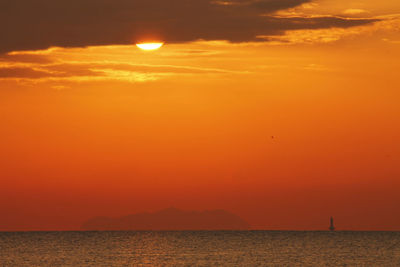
(112, 130)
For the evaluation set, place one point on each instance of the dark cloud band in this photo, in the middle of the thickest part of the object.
(39, 24)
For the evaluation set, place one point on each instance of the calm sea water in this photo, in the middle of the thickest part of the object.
(220, 248)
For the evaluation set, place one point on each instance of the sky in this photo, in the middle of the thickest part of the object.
(284, 112)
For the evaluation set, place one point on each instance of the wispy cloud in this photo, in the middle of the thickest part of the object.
(355, 11)
(43, 66)
(383, 26)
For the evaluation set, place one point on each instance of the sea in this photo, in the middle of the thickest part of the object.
(200, 248)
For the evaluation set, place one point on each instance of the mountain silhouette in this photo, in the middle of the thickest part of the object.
(169, 219)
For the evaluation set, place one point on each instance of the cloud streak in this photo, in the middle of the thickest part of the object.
(94, 71)
(39, 24)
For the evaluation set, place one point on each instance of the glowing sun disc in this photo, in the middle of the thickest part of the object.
(150, 46)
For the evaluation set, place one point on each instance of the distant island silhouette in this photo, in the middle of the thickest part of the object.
(169, 219)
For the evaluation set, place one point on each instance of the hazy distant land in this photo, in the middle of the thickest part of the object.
(170, 219)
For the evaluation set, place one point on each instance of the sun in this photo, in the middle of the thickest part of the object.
(150, 46)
